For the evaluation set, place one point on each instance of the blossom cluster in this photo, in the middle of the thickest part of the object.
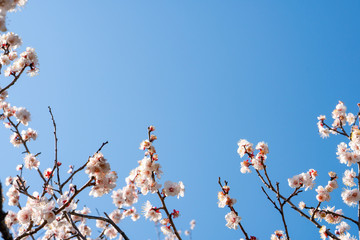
(144, 179)
(105, 179)
(9, 6)
(258, 160)
(303, 180)
(278, 235)
(232, 218)
(9, 43)
(347, 154)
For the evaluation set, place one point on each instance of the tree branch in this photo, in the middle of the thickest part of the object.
(3, 228)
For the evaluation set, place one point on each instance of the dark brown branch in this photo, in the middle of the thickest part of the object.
(16, 126)
(107, 219)
(282, 210)
(27, 233)
(56, 149)
(13, 81)
(335, 130)
(3, 228)
(335, 214)
(162, 198)
(82, 167)
(316, 209)
(296, 208)
(69, 219)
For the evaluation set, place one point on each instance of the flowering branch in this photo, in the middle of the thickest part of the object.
(293, 206)
(90, 182)
(162, 199)
(69, 219)
(306, 180)
(16, 77)
(16, 127)
(80, 168)
(107, 219)
(224, 199)
(3, 228)
(151, 138)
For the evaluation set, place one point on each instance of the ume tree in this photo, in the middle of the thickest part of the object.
(56, 210)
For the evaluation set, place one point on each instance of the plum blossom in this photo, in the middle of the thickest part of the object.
(15, 140)
(303, 180)
(245, 167)
(174, 189)
(350, 197)
(244, 147)
(342, 228)
(323, 194)
(323, 131)
(232, 220)
(31, 161)
(349, 176)
(11, 219)
(24, 215)
(29, 134)
(151, 212)
(278, 235)
(23, 115)
(225, 200)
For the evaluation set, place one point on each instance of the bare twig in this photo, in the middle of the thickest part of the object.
(282, 210)
(56, 149)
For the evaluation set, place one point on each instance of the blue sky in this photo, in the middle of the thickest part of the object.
(206, 74)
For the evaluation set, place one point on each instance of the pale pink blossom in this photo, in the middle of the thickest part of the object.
(349, 176)
(232, 220)
(262, 147)
(244, 147)
(342, 228)
(24, 215)
(151, 212)
(23, 115)
(350, 197)
(31, 161)
(323, 194)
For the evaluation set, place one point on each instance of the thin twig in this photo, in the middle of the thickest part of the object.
(282, 210)
(82, 167)
(107, 219)
(56, 149)
(16, 126)
(13, 81)
(69, 219)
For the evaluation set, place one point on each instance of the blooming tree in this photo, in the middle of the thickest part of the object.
(347, 153)
(54, 207)
(53, 210)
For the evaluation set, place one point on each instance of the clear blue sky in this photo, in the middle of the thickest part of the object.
(205, 73)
